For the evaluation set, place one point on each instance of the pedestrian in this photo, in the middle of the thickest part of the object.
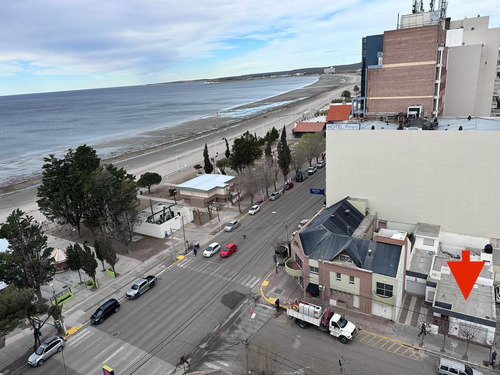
(195, 251)
(283, 191)
(423, 330)
(493, 358)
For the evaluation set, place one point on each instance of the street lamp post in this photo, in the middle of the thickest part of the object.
(57, 303)
(177, 158)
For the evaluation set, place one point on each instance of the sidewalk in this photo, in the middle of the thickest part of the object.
(76, 312)
(283, 287)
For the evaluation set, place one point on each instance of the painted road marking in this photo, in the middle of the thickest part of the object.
(389, 345)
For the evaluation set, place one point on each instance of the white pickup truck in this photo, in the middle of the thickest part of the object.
(327, 321)
(141, 286)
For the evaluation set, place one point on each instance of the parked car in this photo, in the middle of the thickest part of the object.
(254, 209)
(51, 346)
(497, 294)
(107, 309)
(274, 196)
(211, 249)
(288, 185)
(141, 286)
(300, 176)
(232, 225)
(311, 170)
(320, 164)
(447, 366)
(228, 250)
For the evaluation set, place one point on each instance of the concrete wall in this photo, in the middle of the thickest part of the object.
(448, 178)
(471, 68)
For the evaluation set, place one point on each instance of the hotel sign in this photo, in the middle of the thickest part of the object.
(342, 126)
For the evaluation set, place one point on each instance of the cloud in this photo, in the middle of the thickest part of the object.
(139, 41)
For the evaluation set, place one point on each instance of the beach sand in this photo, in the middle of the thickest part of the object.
(173, 151)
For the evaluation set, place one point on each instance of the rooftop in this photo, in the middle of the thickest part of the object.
(206, 182)
(304, 127)
(421, 262)
(339, 112)
(427, 230)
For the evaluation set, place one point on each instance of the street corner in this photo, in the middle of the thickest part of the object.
(179, 258)
(263, 289)
(71, 331)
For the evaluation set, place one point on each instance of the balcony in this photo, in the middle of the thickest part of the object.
(292, 268)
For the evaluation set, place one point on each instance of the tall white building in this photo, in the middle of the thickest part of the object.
(471, 67)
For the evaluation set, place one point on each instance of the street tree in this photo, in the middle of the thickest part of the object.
(113, 196)
(265, 173)
(222, 164)
(355, 89)
(346, 94)
(104, 246)
(259, 357)
(228, 152)
(89, 263)
(208, 167)
(149, 179)
(173, 193)
(74, 258)
(14, 302)
(298, 157)
(61, 196)
(245, 151)
(27, 262)
(284, 154)
(249, 181)
(313, 145)
(469, 332)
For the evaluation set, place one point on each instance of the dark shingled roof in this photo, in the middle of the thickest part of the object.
(330, 235)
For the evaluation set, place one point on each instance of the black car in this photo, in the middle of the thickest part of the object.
(106, 309)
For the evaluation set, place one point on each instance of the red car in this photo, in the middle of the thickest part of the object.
(288, 185)
(228, 250)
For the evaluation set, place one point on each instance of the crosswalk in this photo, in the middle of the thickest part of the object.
(215, 270)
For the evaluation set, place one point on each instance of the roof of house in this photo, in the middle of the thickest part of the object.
(309, 127)
(339, 112)
(330, 235)
(206, 182)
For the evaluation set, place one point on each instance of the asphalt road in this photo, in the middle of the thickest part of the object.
(192, 300)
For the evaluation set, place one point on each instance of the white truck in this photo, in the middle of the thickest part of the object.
(306, 313)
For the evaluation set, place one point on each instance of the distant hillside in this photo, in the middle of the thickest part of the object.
(302, 71)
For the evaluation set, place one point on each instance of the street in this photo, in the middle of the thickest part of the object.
(191, 300)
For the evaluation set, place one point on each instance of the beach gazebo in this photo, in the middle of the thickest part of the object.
(59, 260)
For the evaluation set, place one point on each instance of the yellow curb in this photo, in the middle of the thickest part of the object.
(72, 331)
(393, 340)
(265, 283)
(179, 258)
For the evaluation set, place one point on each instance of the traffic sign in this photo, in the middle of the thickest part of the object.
(316, 191)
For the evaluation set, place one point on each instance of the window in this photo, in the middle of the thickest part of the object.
(384, 290)
(339, 276)
(428, 242)
(345, 258)
(298, 260)
(351, 280)
(313, 269)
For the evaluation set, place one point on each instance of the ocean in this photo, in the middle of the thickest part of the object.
(35, 125)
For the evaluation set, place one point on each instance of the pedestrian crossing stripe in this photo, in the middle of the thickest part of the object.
(247, 280)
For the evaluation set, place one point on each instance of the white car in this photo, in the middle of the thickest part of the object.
(311, 170)
(320, 164)
(232, 225)
(254, 209)
(274, 196)
(211, 249)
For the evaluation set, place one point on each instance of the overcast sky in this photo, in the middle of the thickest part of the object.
(53, 45)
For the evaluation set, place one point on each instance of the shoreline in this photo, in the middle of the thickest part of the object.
(173, 158)
(159, 139)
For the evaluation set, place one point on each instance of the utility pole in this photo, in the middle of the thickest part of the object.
(184, 235)
(63, 328)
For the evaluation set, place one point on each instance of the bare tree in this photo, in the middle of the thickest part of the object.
(469, 332)
(259, 358)
(265, 173)
(299, 157)
(198, 215)
(249, 182)
(443, 324)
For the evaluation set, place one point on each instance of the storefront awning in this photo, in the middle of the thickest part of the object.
(313, 289)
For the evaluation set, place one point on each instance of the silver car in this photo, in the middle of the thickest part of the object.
(232, 225)
(47, 349)
(274, 196)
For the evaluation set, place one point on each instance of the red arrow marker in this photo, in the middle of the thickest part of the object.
(466, 272)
